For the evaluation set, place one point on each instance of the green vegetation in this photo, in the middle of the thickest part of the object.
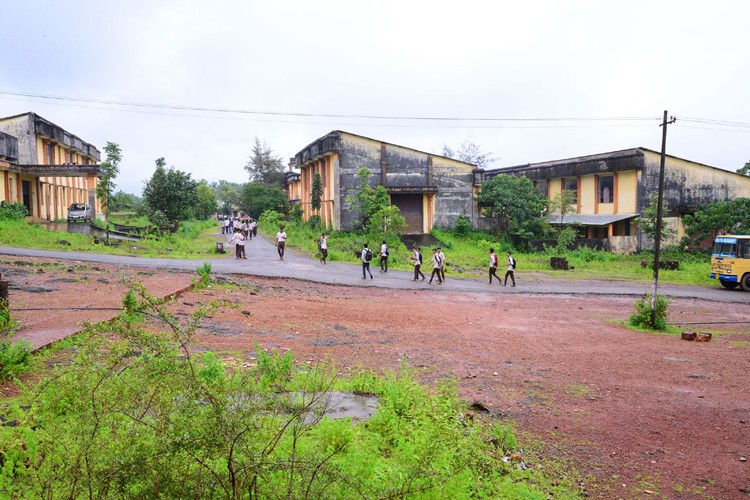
(342, 245)
(170, 195)
(516, 203)
(257, 198)
(724, 217)
(12, 211)
(136, 414)
(15, 359)
(200, 243)
(641, 318)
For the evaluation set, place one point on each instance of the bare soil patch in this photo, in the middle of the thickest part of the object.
(636, 412)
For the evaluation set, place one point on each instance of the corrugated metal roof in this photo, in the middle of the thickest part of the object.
(589, 219)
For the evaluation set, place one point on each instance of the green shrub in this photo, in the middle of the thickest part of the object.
(14, 359)
(12, 211)
(641, 318)
(204, 271)
(314, 221)
(462, 225)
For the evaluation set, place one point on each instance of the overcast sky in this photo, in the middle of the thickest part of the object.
(495, 59)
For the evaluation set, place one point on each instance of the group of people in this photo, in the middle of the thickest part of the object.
(438, 264)
(233, 225)
(248, 229)
(241, 231)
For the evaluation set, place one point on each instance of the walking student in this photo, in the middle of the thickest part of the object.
(239, 241)
(384, 257)
(509, 272)
(442, 263)
(436, 266)
(323, 246)
(366, 259)
(280, 242)
(493, 267)
(416, 256)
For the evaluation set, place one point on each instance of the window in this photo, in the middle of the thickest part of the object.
(49, 153)
(572, 186)
(541, 186)
(606, 189)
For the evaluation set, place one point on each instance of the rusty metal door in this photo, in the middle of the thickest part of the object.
(410, 206)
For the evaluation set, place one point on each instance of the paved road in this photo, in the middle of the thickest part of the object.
(264, 261)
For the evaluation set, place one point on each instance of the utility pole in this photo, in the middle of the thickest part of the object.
(657, 236)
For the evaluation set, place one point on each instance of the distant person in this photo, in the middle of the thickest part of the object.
(493, 267)
(384, 257)
(255, 228)
(223, 225)
(509, 272)
(416, 257)
(435, 266)
(323, 247)
(442, 263)
(229, 226)
(366, 259)
(280, 242)
(239, 240)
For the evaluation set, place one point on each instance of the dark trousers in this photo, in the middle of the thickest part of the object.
(384, 263)
(223, 229)
(435, 270)
(323, 254)
(512, 278)
(280, 249)
(366, 269)
(417, 272)
(255, 231)
(493, 272)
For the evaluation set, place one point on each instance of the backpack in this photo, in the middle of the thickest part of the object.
(386, 251)
(513, 262)
(368, 255)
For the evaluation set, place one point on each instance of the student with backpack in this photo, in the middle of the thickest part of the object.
(493, 267)
(416, 256)
(366, 259)
(436, 266)
(384, 257)
(509, 272)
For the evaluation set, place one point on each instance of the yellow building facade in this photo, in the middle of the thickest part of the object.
(611, 190)
(46, 168)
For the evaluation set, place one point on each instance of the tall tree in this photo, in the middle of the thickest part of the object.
(169, 192)
(647, 221)
(264, 166)
(517, 204)
(109, 169)
(562, 204)
(206, 201)
(257, 198)
(367, 200)
(316, 198)
(723, 217)
(744, 170)
(470, 152)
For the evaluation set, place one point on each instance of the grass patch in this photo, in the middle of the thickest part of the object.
(199, 243)
(134, 413)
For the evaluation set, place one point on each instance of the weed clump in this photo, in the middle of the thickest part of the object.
(641, 318)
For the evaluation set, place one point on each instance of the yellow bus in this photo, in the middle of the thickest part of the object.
(730, 261)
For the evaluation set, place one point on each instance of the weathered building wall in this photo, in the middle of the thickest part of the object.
(8, 147)
(354, 153)
(22, 128)
(626, 192)
(688, 185)
(454, 191)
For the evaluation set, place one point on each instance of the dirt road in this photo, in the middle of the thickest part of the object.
(636, 412)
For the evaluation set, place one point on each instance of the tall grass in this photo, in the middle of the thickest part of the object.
(199, 243)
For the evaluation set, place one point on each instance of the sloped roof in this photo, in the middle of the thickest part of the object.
(588, 219)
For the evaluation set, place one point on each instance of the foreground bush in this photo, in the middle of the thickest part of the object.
(15, 359)
(641, 318)
(142, 417)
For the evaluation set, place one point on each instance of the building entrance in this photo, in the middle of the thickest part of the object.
(411, 208)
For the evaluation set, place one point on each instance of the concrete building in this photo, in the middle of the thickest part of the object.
(612, 189)
(45, 167)
(430, 190)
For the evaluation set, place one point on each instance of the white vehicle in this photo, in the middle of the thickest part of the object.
(80, 211)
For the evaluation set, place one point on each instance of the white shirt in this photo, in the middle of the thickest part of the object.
(417, 262)
(323, 244)
(383, 250)
(240, 238)
(510, 263)
(281, 236)
(493, 260)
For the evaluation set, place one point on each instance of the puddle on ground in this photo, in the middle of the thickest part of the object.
(336, 405)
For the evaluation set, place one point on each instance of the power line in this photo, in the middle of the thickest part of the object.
(321, 115)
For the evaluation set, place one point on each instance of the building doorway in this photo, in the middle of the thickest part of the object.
(411, 208)
(26, 195)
